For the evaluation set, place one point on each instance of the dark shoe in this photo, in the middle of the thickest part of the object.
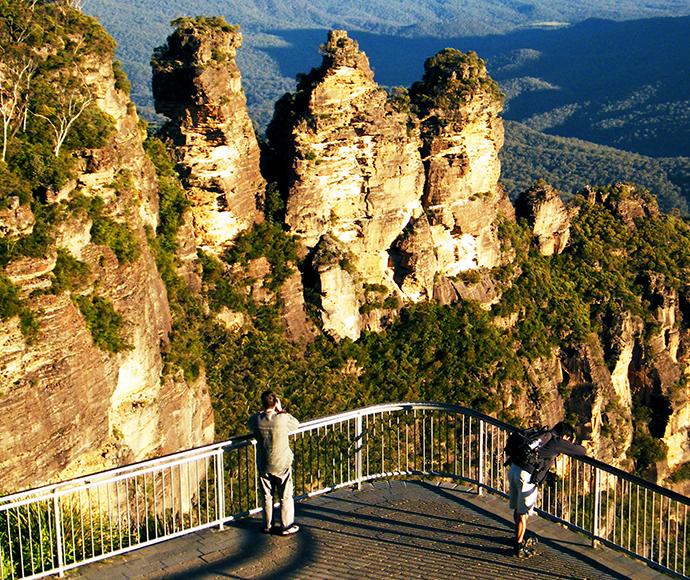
(291, 529)
(531, 540)
(524, 552)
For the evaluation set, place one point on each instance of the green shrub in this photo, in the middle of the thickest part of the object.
(91, 130)
(10, 303)
(270, 241)
(69, 273)
(121, 81)
(37, 243)
(117, 236)
(172, 201)
(450, 80)
(104, 323)
(681, 473)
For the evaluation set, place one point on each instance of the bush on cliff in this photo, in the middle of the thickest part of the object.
(105, 324)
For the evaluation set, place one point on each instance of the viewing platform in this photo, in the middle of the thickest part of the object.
(397, 529)
(399, 490)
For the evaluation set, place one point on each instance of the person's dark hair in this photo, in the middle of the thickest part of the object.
(564, 429)
(268, 399)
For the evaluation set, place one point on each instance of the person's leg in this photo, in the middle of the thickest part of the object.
(523, 502)
(520, 526)
(287, 503)
(266, 497)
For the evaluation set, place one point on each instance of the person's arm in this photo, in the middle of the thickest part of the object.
(570, 448)
(291, 422)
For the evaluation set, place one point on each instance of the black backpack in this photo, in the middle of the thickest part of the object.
(522, 446)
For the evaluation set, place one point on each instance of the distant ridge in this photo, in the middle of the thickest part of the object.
(569, 164)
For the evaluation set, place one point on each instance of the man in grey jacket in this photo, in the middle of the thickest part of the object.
(274, 461)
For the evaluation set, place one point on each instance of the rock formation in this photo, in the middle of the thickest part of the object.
(394, 199)
(462, 134)
(67, 407)
(197, 85)
(381, 197)
(547, 215)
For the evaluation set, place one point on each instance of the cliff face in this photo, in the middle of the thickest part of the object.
(462, 134)
(395, 199)
(68, 406)
(391, 206)
(627, 384)
(197, 85)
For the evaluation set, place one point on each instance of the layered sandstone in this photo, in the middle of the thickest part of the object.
(197, 85)
(544, 211)
(382, 197)
(459, 110)
(67, 407)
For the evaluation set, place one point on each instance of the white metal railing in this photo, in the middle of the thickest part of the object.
(59, 527)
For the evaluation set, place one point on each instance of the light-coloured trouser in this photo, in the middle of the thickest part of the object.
(282, 485)
(523, 493)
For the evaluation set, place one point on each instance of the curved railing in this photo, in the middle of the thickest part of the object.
(59, 527)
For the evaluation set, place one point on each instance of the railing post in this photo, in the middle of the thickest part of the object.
(596, 506)
(59, 535)
(359, 444)
(481, 457)
(220, 487)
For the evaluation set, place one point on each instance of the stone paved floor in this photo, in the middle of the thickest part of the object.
(386, 530)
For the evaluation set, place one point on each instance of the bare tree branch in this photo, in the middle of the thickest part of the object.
(68, 108)
(15, 79)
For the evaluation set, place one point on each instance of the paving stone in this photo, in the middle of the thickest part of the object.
(394, 530)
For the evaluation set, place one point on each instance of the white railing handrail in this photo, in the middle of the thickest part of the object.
(188, 490)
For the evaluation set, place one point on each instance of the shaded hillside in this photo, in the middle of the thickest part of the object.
(622, 84)
(567, 81)
(570, 164)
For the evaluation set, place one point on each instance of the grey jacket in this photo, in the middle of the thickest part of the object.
(271, 429)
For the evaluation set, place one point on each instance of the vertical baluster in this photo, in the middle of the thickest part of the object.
(637, 519)
(349, 446)
(481, 457)
(358, 450)
(58, 535)
(652, 531)
(366, 438)
(685, 536)
(644, 540)
(146, 509)
(405, 441)
(596, 506)
(220, 488)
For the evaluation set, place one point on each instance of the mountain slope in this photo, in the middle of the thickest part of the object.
(570, 164)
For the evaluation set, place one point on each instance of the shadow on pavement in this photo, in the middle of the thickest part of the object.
(560, 546)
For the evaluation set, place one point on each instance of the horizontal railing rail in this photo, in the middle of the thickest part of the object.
(55, 528)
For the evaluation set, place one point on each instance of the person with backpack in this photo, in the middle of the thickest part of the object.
(271, 427)
(531, 454)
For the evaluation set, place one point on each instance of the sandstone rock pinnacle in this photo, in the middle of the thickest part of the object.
(405, 196)
(197, 85)
(548, 216)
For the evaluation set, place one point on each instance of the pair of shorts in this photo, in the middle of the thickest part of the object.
(523, 493)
